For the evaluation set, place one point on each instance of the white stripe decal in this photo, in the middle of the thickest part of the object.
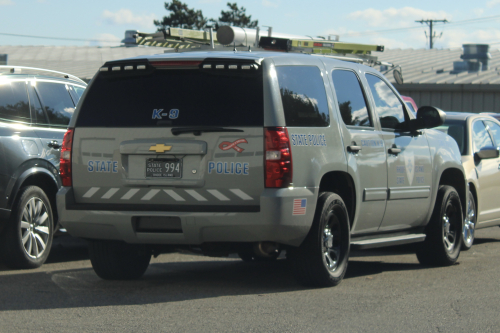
(91, 192)
(130, 194)
(150, 195)
(218, 195)
(241, 194)
(174, 195)
(195, 195)
(110, 193)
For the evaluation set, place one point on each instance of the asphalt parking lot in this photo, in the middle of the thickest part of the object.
(384, 291)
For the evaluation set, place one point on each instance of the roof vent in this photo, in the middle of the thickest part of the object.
(476, 58)
(129, 38)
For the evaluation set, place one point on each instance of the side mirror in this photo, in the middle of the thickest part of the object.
(428, 117)
(486, 152)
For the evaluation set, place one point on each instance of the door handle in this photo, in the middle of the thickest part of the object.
(394, 150)
(353, 149)
(54, 144)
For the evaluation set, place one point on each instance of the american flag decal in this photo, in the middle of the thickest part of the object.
(299, 206)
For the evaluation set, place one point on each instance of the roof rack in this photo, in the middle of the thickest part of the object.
(243, 39)
(65, 75)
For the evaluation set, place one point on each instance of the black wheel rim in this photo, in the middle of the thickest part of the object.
(452, 226)
(332, 242)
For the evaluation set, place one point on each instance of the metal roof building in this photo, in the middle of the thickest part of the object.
(81, 61)
(431, 77)
(438, 78)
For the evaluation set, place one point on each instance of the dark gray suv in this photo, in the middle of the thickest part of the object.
(36, 106)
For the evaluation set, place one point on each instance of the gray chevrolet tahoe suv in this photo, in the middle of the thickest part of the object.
(35, 108)
(254, 153)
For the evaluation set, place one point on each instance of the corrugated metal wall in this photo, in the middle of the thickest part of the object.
(455, 97)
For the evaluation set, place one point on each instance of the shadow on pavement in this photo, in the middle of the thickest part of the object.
(163, 282)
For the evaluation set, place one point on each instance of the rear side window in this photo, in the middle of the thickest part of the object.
(494, 130)
(14, 103)
(303, 95)
(56, 102)
(389, 109)
(352, 102)
(174, 97)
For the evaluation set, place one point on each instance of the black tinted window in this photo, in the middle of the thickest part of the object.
(39, 115)
(14, 103)
(303, 95)
(169, 98)
(389, 109)
(455, 129)
(56, 102)
(352, 103)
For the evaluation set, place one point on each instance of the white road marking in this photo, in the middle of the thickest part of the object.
(195, 195)
(241, 194)
(218, 195)
(150, 195)
(110, 193)
(91, 192)
(174, 195)
(130, 194)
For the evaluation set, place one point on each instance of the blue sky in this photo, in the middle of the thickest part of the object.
(359, 21)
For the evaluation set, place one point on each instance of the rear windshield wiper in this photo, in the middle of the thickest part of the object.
(198, 130)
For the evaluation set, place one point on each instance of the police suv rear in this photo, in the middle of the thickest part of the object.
(254, 153)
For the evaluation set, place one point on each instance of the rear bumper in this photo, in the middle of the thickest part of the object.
(272, 220)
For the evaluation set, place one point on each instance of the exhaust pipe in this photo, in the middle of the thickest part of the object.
(266, 249)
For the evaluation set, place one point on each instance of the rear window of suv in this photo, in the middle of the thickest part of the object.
(174, 97)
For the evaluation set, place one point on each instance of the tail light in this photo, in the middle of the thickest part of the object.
(65, 161)
(278, 158)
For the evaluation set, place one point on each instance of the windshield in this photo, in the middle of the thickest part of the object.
(171, 98)
(455, 129)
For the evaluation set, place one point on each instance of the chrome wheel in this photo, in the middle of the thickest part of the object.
(35, 228)
(470, 223)
(450, 230)
(331, 243)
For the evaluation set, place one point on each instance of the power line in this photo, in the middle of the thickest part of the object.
(397, 30)
(60, 38)
(432, 35)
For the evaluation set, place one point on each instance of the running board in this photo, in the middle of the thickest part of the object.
(387, 241)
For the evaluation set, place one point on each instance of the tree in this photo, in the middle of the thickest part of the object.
(236, 17)
(181, 16)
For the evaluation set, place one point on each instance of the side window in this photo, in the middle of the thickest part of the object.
(494, 130)
(56, 102)
(38, 113)
(352, 102)
(480, 136)
(303, 95)
(14, 104)
(389, 109)
(410, 107)
(79, 91)
(76, 92)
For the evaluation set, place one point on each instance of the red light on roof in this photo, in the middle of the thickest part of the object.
(318, 44)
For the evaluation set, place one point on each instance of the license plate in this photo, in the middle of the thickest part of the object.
(164, 168)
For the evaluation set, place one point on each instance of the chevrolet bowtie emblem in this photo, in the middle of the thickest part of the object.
(160, 148)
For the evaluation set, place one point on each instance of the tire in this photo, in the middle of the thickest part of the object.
(26, 240)
(321, 260)
(116, 260)
(444, 231)
(470, 220)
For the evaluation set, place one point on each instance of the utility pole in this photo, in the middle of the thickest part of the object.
(432, 34)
